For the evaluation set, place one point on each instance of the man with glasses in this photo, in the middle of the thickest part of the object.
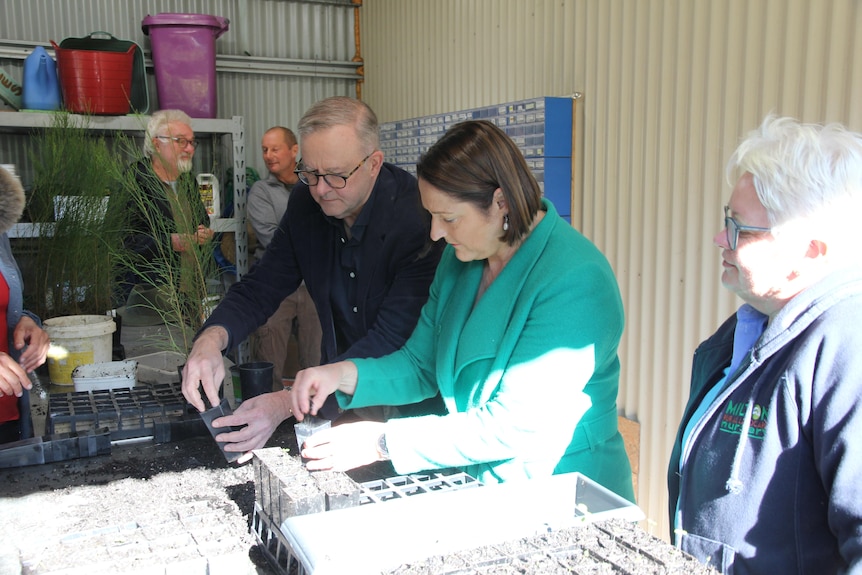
(356, 232)
(165, 211)
(765, 471)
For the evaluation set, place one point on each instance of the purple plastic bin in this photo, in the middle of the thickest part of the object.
(184, 60)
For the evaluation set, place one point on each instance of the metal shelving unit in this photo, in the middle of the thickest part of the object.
(22, 122)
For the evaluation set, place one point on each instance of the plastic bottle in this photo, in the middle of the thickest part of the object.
(40, 85)
(210, 195)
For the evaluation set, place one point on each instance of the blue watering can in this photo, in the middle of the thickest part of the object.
(41, 86)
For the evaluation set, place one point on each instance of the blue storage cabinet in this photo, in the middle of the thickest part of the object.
(541, 127)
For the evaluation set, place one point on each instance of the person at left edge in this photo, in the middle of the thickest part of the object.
(25, 346)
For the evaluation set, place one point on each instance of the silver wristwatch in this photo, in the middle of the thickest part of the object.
(381, 447)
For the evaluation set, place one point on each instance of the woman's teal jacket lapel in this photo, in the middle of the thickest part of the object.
(469, 334)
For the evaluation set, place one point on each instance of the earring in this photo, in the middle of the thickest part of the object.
(506, 223)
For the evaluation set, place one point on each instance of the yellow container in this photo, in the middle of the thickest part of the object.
(77, 340)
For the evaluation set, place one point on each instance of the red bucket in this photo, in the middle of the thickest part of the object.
(95, 82)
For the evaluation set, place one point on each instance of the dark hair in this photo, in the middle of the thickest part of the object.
(471, 161)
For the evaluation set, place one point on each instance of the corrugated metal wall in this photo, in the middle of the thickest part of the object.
(277, 58)
(669, 88)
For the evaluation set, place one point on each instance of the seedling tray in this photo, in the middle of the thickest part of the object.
(127, 413)
(284, 559)
(381, 490)
(445, 522)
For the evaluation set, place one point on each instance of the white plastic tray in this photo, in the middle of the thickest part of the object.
(376, 538)
(159, 367)
(105, 375)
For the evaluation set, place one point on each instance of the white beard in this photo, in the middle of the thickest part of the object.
(184, 165)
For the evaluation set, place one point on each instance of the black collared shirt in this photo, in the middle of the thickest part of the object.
(347, 311)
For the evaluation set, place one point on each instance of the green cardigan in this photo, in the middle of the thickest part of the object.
(529, 376)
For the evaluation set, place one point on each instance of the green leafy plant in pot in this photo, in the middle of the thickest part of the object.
(173, 286)
(74, 174)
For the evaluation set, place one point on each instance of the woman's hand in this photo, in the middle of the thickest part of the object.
(313, 385)
(13, 379)
(28, 333)
(343, 447)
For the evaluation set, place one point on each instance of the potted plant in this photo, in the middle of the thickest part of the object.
(74, 172)
(83, 192)
(175, 286)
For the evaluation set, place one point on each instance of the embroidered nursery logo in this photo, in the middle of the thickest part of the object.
(734, 414)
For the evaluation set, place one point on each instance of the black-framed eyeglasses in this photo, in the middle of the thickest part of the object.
(334, 181)
(732, 227)
(181, 142)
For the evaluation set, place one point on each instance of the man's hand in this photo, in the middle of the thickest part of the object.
(182, 242)
(343, 447)
(260, 415)
(203, 235)
(204, 367)
(179, 242)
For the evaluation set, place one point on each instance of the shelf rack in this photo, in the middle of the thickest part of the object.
(22, 123)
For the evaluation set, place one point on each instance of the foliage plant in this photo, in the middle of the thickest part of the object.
(79, 257)
(73, 177)
(175, 285)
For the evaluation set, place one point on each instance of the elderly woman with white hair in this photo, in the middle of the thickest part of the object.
(25, 346)
(766, 471)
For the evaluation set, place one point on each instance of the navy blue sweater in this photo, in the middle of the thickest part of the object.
(770, 480)
(398, 261)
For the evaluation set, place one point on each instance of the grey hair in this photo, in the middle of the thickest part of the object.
(12, 200)
(342, 111)
(803, 171)
(159, 123)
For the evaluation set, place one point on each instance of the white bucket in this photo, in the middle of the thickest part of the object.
(77, 340)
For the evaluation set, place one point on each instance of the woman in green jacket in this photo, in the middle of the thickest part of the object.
(519, 336)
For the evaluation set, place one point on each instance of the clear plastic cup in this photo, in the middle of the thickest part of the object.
(308, 427)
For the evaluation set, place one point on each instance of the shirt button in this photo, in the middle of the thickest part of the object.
(355, 309)
(352, 275)
(342, 240)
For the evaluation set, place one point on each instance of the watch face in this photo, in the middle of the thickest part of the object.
(381, 446)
